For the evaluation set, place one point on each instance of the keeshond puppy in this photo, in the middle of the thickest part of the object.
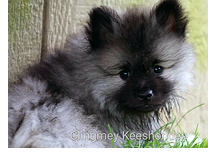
(124, 70)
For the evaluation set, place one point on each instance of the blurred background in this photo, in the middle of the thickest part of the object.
(37, 26)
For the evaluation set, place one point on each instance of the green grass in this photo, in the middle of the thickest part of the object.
(112, 138)
(178, 142)
(171, 136)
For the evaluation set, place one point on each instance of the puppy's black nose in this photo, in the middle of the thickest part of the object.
(145, 94)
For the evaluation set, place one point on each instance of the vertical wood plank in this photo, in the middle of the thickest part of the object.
(45, 27)
(25, 33)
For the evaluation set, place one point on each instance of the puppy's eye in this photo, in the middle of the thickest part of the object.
(124, 74)
(158, 70)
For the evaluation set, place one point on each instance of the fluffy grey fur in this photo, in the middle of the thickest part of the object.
(70, 97)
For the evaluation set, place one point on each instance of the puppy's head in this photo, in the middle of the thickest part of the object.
(141, 58)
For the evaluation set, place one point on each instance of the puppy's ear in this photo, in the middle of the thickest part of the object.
(169, 14)
(101, 26)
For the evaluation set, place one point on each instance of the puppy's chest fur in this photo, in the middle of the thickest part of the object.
(45, 120)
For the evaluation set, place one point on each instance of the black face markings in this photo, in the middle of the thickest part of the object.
(145, 90)
(142, 94)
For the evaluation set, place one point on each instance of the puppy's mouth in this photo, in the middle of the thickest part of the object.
(145, 108)
(148, 107)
